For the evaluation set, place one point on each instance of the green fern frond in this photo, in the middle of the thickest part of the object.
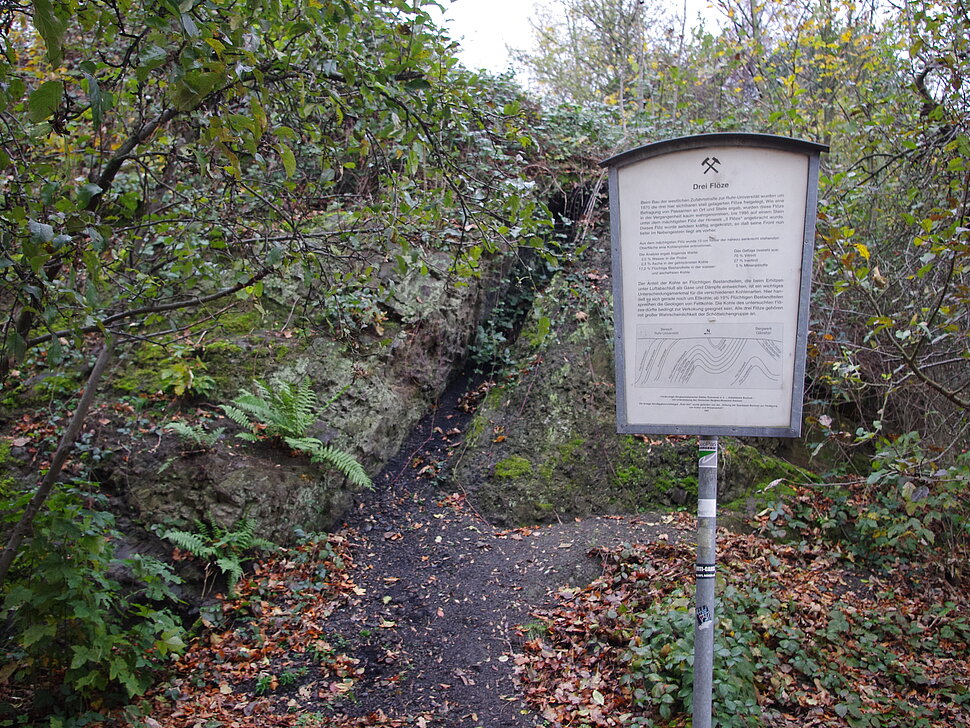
(195, 434)
(195, 543)
(232, 568)
(239, 538)
(303, 444)
(334, 398)
(226, 548)
(339, 460)
(285, 409)
(237, 415)
(262, 544)
(343, 462)
(185, 430)
(295, 407)
(205, 530)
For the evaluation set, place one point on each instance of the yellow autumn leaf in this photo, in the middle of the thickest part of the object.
(863, 250)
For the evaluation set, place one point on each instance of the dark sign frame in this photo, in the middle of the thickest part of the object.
(625, 241)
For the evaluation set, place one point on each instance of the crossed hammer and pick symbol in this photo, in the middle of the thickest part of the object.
(711, 164)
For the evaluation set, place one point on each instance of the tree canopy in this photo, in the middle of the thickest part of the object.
(884, 85)
(162, 161)
(159, 157)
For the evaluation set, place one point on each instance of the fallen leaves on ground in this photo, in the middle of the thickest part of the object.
(837, 646)
(267, 659)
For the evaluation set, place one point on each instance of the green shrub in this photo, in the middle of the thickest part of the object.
(661, 657)
(75, 629)
(908, 509)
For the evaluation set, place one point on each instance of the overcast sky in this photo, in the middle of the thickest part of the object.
(486, 27)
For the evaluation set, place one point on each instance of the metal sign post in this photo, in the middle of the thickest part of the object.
(713, 237)
(704, 602)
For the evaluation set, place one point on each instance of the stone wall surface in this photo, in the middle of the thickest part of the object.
(544, 445)
(380, 383)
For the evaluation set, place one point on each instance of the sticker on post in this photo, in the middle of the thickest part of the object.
(704, 620)
(704, 571)
(708, 454)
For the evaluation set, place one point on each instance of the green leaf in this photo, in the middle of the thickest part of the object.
(289, 161)
(40, 232)
(188, 25)
(51, 23)
(241, 121)
(16, 346)
(97, 100)
(43, 102)
(171, 642)
(55, 353)
(14, 92)
(18, 596)
(87, 191)
(195, 87)
(37, 632)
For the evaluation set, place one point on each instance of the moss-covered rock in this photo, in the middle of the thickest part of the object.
(245, 345)
(7, 481)
(513, 468)
(557, 416)
(378, 385)
(752, 476)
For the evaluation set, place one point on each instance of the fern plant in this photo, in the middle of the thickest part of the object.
(286, 411)
(339, 460)
(195, 434)
(224, 548)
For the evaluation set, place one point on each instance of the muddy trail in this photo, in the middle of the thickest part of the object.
(413, 613)
(443, 598)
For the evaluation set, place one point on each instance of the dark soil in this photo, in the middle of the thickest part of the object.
(443, 598)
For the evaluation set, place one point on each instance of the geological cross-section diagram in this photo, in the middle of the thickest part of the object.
(726, 356)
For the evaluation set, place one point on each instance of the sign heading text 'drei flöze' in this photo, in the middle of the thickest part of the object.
(712, 250)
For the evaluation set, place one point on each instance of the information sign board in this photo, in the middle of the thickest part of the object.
(712, 251)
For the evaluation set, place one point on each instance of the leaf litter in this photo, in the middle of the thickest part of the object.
(419, 613)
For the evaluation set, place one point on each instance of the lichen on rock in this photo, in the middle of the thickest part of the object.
(557, 414)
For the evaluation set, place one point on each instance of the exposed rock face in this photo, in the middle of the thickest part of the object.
(276, 491)
(544, 446)
(379, 386)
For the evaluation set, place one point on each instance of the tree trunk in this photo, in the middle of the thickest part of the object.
(68, 439)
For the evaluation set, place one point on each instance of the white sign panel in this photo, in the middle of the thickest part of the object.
(712, 255)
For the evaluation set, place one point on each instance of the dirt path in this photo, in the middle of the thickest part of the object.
(441, 593)
(411, 615)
